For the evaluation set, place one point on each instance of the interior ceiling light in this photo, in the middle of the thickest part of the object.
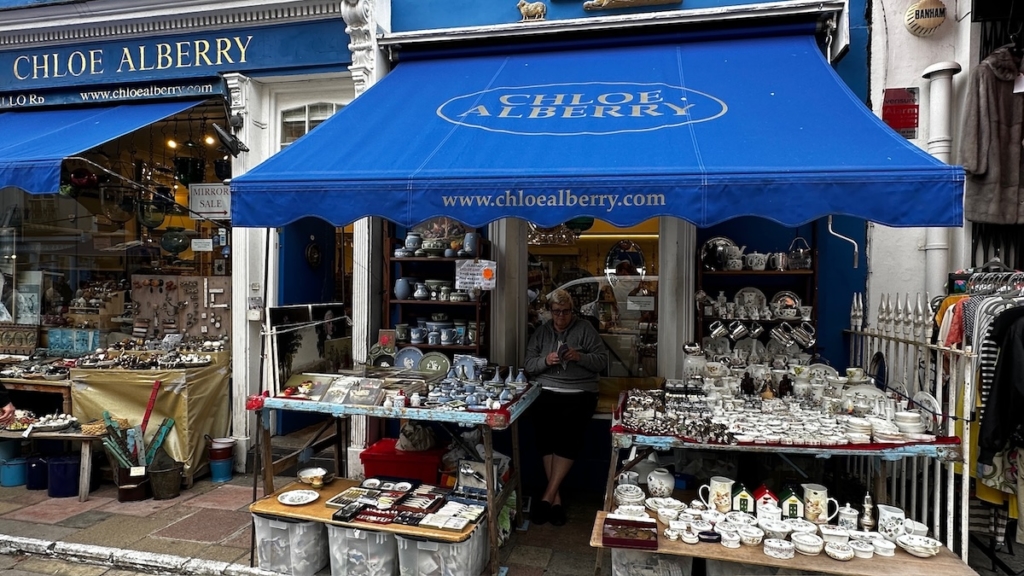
(210, 140)
(171, 143)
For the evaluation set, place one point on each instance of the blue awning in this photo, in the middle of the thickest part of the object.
(705, 131)
(34, 143)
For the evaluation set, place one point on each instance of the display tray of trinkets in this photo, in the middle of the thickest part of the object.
(398, 501)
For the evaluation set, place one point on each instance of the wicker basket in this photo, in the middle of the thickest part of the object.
(99, 427)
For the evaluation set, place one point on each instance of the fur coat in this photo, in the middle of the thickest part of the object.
(991, 143)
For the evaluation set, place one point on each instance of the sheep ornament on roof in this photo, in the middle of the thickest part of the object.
(532, 10)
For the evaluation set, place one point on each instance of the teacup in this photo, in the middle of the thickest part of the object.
(855, 373)
(716, 369)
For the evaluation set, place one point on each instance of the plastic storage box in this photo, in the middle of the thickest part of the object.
(290, 547)
(466, 558)
(382, 459)
(358, 552)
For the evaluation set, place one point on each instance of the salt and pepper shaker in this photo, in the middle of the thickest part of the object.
(867, 519)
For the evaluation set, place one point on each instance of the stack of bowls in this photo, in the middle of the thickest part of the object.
(629, 495)
(910, 423)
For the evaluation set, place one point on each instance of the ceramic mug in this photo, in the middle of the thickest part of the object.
(805, 313)
(804, 335)
(418, 335)
(434, 338)
(629, 477)
(855, 373)
(781, 334)
(448, 336)
(719, 496)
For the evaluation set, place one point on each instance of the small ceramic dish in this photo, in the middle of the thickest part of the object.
(671, 534)
(712, 516)
(701, 526)
(750, 535)
(778, 548)
(801, 525)
(741, 518)
(726, 527)
(834, 534)
(689, 537)
(730, 540)
(631, 510)
(862, 548)
(884, 547)
(666, 515)
(865, 536)
(920, 546)
(709, 536)
(807, 544)
(775, 529)
(698, 505)
(839, 551)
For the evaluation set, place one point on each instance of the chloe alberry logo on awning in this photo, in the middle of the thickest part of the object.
(586, 108)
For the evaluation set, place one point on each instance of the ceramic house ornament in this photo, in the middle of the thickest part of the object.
(742, 499)
(765, 496)
(791, 504)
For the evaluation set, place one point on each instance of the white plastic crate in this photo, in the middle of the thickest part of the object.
(296, 548)
(628, 562)
(430, 558)
(362, 552)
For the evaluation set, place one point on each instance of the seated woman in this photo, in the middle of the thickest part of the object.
(564, 356)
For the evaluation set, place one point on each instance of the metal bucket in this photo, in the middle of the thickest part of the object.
(166, 484)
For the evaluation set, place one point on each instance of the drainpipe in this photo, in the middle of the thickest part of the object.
(938, 259)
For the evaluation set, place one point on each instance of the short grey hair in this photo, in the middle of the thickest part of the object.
(561, 297)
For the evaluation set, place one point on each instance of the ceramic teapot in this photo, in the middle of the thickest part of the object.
(734, 251)
(756, 260)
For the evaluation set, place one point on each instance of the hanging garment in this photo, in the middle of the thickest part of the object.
(1001, 415)
(990, 147)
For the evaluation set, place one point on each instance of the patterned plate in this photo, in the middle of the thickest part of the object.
(408, 358)
(298, 497)
(435, 362)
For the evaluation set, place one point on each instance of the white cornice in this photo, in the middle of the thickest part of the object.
(780, 9)
(102, 19)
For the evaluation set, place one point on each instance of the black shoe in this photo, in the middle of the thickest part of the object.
(557, 517)
(541, 512)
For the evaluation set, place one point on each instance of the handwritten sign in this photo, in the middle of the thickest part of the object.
(471, 274)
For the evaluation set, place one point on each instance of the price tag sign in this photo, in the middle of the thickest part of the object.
(641, 303)
(137, 471)
(471, 274)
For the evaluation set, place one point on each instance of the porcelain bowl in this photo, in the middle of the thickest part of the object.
(807, 544)
(690, 537)
(730, 540)
(666, 515)
(801, 525)
(741, 518)
(920, 546)
(712, 516)
(750, 535)
(701, 526)
(775, 529)
(839, 551)
(725, 527)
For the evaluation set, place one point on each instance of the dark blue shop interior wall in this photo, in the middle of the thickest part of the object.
(299, 283)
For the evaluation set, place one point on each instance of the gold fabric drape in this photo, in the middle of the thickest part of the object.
(196, 398)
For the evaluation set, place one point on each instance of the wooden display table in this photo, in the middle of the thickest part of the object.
(318, 511)
(944, 564)
(85, 468)
(62, 387)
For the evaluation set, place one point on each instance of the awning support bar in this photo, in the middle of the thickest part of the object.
(856, 247)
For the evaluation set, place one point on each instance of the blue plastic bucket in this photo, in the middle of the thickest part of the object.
(63, 474)
(38, 476)
(221, 470)
(12, 472)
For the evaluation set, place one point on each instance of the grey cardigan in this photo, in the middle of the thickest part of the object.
(581, 375)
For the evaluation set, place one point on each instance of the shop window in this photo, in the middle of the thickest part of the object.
(296, 122)
(611, 274)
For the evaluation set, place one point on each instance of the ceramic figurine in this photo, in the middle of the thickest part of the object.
(765, 496)
(785, 386)
(742, 499)
(791, 504)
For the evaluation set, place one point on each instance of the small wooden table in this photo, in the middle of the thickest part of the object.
(85, 467)
(62, 387)
(318, 511)
(944, 564)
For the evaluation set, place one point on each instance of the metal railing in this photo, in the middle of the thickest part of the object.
(898, 353)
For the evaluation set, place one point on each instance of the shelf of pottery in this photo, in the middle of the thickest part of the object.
(755, 307)
(802, 528)
(432, 318)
